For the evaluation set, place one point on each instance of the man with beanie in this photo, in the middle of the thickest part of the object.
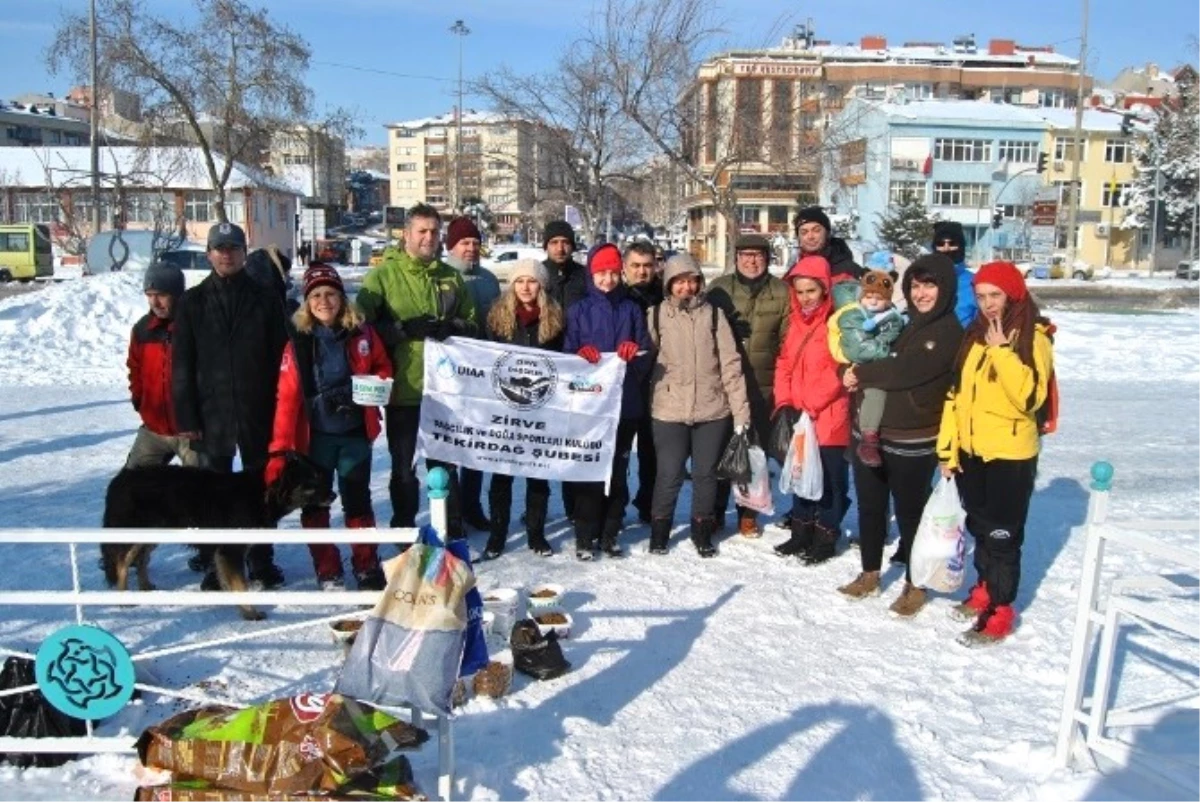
(643, 286)
(409, 298)
(950, 240)
(149, 362)
(757, 306)
(228, 341)
(814, 234)
(463, 242)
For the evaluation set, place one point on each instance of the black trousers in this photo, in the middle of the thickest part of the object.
(470, 482)
(829, 510)
(404, 487)
(647, 464)
(996, 496)
(675, 442)
(907, 479)
(598, 515)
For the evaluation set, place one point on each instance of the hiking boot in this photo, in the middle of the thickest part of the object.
(800, 541)
(660, 535)
(992, 627)
(584, 555)
(702, 532)
(868, 450)
(909, 602)
(370, 580)
(331, 582)
(975, 603)
(864, 585)
(268, 576)
(748, 527)
(539, 546)
(495, 544)
(824, 547)
(477, 520)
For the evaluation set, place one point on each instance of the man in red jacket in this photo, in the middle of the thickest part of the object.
(149, 362)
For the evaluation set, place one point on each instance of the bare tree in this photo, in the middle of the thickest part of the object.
(226, 79)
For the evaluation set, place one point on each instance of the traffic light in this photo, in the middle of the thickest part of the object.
(1126, 124)
(997, 217)
(1041, 168)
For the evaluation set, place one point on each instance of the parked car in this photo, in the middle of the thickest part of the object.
(504, 255)
(1188, 270)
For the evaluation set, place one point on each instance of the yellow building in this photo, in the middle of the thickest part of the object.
(1106, 168)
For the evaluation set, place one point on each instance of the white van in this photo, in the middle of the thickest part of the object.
(503, 257)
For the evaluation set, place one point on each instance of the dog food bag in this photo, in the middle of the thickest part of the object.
(313, 743)
(411, 645)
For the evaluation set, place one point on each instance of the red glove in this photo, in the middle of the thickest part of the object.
(274, 469)
(589, 353)
(627, 350)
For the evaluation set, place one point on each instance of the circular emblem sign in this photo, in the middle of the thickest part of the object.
(85, 672)
(523, 381)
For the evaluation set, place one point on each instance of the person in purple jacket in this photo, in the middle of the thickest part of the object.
(607, 320)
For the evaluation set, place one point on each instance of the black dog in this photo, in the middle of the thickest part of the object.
(174, 497)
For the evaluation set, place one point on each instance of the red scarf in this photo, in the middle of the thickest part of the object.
(528, 316)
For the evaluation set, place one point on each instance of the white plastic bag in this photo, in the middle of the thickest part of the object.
(756, 495)
(938, 553)
(802, 473)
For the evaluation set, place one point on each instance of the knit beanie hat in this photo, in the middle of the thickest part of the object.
(530, 268)
(813, 214)
(461, 228)
(558, 228)
(604, 257)
(1004, 275)
(163, 277)
(875, 282)
(320, 274)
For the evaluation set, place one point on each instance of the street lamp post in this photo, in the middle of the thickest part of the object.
(94, 126)
(460, 30)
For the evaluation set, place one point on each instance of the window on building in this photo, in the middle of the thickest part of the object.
(198, 206)
(899, 190)
(406, 167)
(1056, 98)
(1064, 149)
(437, 132)
(919, 91)
(778, 215)
(748, 118)
(1117, 151)
(962, 150)
(497, 200)
(749, 215)
(150, 207)
(782, 93)
(712, 122)
(1111, 197)
(1062, 189)
(963, 195)
(435, 200)
(435, 150)
(35, 208)
(1015, 151)
(1014, 211)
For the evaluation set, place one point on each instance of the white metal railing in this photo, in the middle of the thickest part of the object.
(79, 598)
(1137, 600)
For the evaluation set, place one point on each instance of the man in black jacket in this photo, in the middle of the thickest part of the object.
(814, 234)
(644, 285)
(229, 339)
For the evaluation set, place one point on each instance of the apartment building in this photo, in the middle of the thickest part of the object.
(773, 115)
(34, 124)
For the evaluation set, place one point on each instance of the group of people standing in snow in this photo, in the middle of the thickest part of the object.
(221, 369)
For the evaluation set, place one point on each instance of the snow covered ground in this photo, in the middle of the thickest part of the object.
(741, 677)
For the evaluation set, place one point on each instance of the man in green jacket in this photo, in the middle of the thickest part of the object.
(757, 305)
(409, 298)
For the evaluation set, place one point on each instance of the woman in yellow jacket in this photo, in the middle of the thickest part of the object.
(989, 436)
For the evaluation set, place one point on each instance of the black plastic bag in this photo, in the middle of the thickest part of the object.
(734, 465)
(781, 433)
(535, 654)
(29, 715)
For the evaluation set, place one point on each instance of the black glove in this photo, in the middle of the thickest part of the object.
(451, 327)
(418, 328)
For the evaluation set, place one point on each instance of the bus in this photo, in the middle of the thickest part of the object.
(25, 252)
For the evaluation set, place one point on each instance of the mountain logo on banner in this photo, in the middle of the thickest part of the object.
(523, 381)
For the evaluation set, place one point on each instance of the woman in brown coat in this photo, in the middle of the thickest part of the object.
(697, 400)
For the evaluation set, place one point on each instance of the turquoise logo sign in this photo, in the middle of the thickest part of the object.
(85, 672)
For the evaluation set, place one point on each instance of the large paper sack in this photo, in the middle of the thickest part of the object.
(938, 553)
(411, 645)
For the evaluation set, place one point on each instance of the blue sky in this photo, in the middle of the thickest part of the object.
(396, 59)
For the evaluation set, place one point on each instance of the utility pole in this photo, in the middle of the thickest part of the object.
(1073, 209)
(460, 30)
(94, 124)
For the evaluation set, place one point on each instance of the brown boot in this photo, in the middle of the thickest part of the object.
(864, 585)
(909, 602)
(748, 526)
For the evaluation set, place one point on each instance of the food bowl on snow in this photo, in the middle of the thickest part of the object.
(502, 602)
(552, 621)
(370, 391)
(344, 631)
(545, 597)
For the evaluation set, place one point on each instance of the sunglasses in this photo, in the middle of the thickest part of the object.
(947, 243)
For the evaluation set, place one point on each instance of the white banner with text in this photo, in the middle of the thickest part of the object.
(520, 411)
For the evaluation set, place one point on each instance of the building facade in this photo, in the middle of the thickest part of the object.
(35, 124)
(767, 122)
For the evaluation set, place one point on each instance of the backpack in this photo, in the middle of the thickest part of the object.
(658, 334)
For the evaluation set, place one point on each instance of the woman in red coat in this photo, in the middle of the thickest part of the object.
(315, 415)
(807, 380)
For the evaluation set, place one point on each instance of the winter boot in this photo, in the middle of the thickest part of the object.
(364, 557)
(973, 605)
(702, 532)
(260, 560)
(748, 524)
(868, 450)
(585, 540)
(993, 626)
(497, 535)
(660, 535)
(475, 519)
(909, 602)
(824, 545)
(800, 541)
(535, 524)
(899, 556)
(864, 585)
